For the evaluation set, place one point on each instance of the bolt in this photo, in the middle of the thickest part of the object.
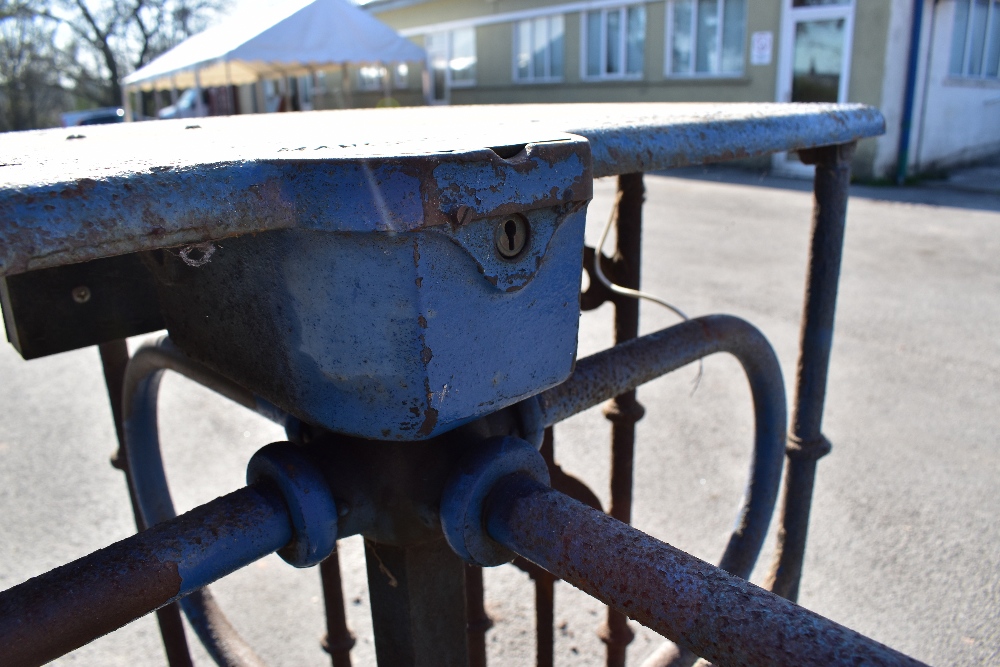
(81, 294)
(463, 215)
(511, 236)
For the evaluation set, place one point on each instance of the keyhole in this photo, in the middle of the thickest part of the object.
(511, 236)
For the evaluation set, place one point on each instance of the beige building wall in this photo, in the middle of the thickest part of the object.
(495, 83)
(868, 62)
(874, 57)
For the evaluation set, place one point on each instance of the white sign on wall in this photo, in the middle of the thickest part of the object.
(761, 46)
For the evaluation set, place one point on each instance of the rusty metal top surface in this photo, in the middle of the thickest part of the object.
(75, 194)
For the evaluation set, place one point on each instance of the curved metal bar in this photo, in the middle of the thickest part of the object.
(142, 443)
(630, 364)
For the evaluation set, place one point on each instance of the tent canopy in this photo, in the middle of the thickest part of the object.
(289, 38)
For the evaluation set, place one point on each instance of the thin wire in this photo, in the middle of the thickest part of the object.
(634, 293)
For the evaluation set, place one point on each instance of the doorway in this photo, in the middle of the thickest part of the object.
(815, 60)
(439, 88)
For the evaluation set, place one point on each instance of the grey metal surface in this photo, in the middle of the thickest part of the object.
(68, 196)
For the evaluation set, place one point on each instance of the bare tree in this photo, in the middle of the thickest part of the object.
(56, 51)
(119, 36)
(31, 93)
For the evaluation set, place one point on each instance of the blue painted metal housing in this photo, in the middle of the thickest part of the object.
(353, 278)
(400, 335)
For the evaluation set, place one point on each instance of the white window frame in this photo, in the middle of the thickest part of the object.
(790, 16)
(531, 78)
(625, 75)
(668, 57)
(966, 74)
(469, 83)
(374, 84)
(401, 76)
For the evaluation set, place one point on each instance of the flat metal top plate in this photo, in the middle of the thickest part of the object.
(75, 194)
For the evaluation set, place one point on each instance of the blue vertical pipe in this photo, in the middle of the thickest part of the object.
(913, 63)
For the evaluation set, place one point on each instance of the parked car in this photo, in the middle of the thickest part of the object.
(186, 106)
(101, 116)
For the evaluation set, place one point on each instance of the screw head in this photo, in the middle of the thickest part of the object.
(463, 215)
(81, 294)
(511, 236)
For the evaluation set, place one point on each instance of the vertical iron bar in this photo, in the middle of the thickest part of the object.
(624, 411)
(418, 604)
(479, 620)
(806, 443)
(545, 584)
(545, 619)
(114, 359)
(338, 640)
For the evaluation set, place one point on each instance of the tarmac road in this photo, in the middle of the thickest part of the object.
(904, 543)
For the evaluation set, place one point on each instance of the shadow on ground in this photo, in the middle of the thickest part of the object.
(966, 189)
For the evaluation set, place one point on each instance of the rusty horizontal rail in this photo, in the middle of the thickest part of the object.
(61, 610)
(723, 618)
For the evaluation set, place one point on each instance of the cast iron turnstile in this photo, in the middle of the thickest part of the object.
(400, 290)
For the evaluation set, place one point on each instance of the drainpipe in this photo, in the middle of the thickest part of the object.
(903, 153)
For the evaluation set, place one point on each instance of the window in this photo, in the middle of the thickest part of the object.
(370, 77)
(462, 60)
(452, 57)
(539, 49)
(975, 43)
(705, 37)
(401, 76)
(613, 42)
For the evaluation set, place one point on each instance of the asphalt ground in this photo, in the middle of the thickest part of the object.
(904, 543)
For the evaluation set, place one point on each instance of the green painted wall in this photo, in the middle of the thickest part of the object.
(439, 11)
(871, 25)
(494, 46)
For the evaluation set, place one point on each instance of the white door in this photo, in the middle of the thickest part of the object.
(438, 57)
(815, 59)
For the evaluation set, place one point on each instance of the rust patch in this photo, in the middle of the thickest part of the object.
(430, 421)
(61, 610)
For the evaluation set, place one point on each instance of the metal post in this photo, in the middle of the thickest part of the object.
(806, 443)
(114, 359)
(624, 411)
(338, 640)
(418, 604)
(479, 621)
(545, 583)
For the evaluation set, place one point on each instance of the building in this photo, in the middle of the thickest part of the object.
(550, 51)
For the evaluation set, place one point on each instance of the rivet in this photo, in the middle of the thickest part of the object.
(81, 294)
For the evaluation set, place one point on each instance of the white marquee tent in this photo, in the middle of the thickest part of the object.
(292, 38)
